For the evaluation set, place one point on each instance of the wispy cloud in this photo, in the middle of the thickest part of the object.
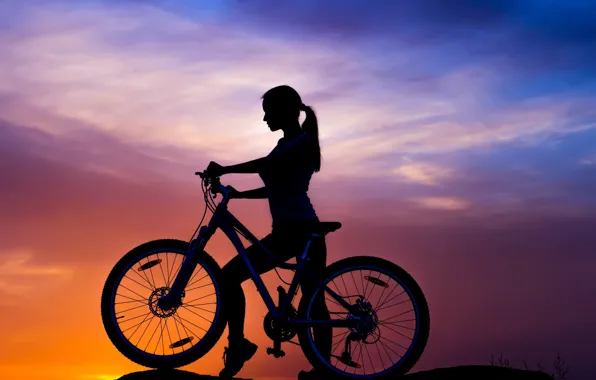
(22, 263)
(443, 203)
(20, 274)
(147, 75)
(423, 173)
(588, 160)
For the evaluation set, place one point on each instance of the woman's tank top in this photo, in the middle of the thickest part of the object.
(287, 178)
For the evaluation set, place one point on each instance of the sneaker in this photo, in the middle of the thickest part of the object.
(235, 356)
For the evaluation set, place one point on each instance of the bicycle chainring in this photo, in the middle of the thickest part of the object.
(277, 330)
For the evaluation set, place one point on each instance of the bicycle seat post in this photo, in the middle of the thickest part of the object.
(308, 244)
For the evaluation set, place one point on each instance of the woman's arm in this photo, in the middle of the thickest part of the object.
(251, 194)
(254, 166)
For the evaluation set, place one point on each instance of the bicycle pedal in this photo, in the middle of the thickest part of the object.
(275, 353)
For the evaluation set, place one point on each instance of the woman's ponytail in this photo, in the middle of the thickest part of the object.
(311, 127)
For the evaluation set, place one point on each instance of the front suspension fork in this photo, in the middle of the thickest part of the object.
(174, 297)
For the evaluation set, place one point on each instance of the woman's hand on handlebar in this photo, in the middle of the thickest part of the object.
(214, 169)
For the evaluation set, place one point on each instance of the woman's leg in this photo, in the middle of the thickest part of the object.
(323, 335)
(235, 273)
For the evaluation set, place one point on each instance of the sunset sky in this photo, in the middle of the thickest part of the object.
(458, 140)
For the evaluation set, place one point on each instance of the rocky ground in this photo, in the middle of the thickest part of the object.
(453, 373)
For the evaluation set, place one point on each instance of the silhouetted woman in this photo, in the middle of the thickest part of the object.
(286, 173)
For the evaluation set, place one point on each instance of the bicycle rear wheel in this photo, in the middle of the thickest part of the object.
(395, 320)
(147, 334)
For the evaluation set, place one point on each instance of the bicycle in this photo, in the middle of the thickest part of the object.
(358, 321)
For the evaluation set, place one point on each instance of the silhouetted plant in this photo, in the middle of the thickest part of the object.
(501, 361)
(561, 369)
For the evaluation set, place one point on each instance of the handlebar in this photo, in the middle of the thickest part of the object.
(216, 186)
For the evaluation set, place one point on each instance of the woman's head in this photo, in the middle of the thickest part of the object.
(282, 106)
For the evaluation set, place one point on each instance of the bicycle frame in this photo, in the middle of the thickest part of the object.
(223, 219)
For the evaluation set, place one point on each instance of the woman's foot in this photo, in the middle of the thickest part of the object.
(307, 375)
(236, 355)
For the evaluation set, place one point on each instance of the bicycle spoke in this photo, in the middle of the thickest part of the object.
(121, 302)
(381, 296)
(197, 281)
(196, 299)
(397, 332)
(380, 356)
(385, 349)
(369, 358)
(397, 315)
(362, 283)
(344, 283)
(392, 298)
(391, 349)
(138, 324)
(170, 272)
(186, 329)
(395, 323)
(389, 295)
(362, 358)
(175, 274)
(161, 323)
(198, 287)
(151, 272)
(146, 278)
(395, 343)
(359, 358)
(135, 281)
(195, 313)
(130, 319)
(132, 291)
(161, 269)
(133, 308)
(395, 304)
(200, 308)
(180, 317)
(152, 335)
(143, 278)
(355, 285)
(144, 331)
(367, 283)
(334, 301)
(177, 330)
(201, 304)
(169, 335)
(337, 344)
(143, 300)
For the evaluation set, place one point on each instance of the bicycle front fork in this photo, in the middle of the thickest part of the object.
(174, 296)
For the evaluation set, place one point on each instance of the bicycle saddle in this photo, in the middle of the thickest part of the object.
(326, 227)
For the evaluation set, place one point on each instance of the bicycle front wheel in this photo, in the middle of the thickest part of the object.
(147, 334)
(393, 321)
